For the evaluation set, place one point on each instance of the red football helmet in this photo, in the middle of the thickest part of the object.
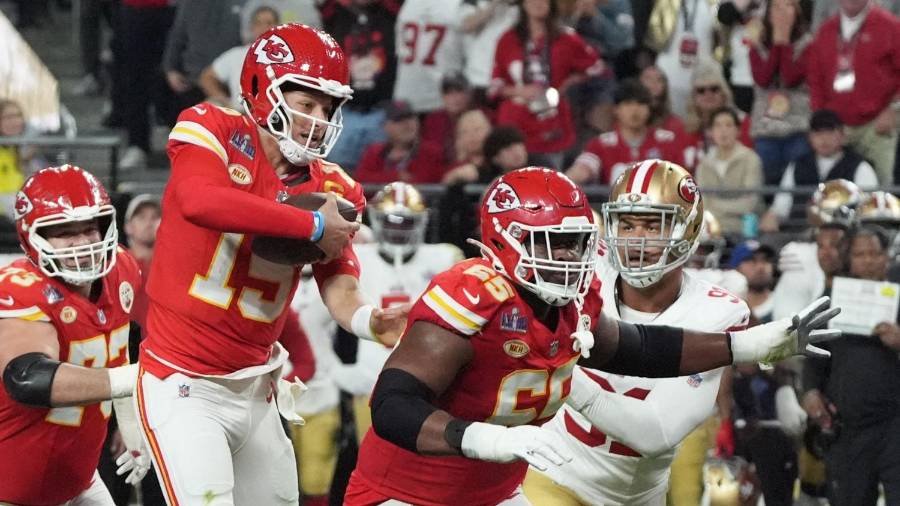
(524, 215)
(65, 194)
(302, 56)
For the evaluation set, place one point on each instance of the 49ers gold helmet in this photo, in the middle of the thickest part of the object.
(880, 207)
(711, 243)
(399, 218)
(653, 187)
(835, 201)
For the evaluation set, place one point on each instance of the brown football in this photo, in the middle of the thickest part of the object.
(287, 251)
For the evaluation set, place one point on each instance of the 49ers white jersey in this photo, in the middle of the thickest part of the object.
(320, 328)
(732, 281)
(390, 285)
(606, 471)
(429, 47)
(802, 278)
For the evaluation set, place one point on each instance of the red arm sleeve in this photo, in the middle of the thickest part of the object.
(296, 342)
(764, 68)
(204, 194)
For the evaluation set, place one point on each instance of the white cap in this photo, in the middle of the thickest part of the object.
(139, 201)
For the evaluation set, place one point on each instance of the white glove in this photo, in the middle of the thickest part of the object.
(789, 412)
(786, 337)
(495, 443)
(288, 399)
(136, 462)
(583, 338)
(136, 457)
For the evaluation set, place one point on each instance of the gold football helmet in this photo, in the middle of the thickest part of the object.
(664, 189)
(835, 201)
(730, 482)
(880, 207)
(399, 218)
(711, 243)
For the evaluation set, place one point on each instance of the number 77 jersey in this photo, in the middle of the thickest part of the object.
(215, 308)
(48, 456)
(520, 373)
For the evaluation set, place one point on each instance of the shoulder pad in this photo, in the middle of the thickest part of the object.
(466, 296)
(207, 126)
(22, 292)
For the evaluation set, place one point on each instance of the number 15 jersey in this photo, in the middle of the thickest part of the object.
(215, 308)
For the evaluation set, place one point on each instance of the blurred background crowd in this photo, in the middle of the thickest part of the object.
(785, 111)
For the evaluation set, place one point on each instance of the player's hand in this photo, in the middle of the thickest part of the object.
(789, 412)
(135, 463)
(288, 399)
(818, 409)
(338, 231)
(389, 324)
(725, 439)
(786, 337)
(495, 443)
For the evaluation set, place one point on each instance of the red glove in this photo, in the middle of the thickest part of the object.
(725, 439)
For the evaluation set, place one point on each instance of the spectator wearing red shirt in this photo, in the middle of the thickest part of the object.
(534, 64)
(780, 113)
(404, 156)
(633, 139)
(439, 126)
(854, 70)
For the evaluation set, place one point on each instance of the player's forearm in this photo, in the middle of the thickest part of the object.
(343, 297)
(656, 351)
(229, 210)
(652, 426)
(77, 386)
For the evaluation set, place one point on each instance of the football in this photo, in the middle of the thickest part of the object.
(287, 251)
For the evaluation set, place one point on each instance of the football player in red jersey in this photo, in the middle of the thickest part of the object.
(210, 366)
(64, 316)
(492, 343)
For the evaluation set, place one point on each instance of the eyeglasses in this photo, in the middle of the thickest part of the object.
(700, 90)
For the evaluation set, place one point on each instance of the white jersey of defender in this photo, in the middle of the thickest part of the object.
(802, 278)
(731, 280)
(606, 471)
(320, 328)
(429, 47)
(388, 285)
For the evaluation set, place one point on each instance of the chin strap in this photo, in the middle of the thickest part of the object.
(293, 153)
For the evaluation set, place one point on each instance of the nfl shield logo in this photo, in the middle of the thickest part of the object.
(694, 380)
(184, 391)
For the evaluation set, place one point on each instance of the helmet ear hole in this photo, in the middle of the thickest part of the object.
(254, 86)
(497, 244)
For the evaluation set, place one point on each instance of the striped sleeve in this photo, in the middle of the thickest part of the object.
(453, 313)
(32, 314)
(192, 132)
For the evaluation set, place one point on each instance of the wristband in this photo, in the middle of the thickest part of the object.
(319, 223)
(360, 323)
(454, 431)
(122, 380)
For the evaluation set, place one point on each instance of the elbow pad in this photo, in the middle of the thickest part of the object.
(28, 379)
(400, 405)
(650, 351)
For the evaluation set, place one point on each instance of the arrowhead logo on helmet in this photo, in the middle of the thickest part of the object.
(23, 205)
(503, 198)
(273, 49)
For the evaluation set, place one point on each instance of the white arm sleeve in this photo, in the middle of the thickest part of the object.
(651, 426)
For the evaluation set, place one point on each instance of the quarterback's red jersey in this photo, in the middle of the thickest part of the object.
(520, 374)
(215, 308)
(48, 456)
(609, 154)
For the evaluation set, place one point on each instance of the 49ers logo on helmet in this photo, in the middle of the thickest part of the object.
(23, 205)
(687, 189)
(503, 198)
(273, 49)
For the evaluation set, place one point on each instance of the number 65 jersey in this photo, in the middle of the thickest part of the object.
(520, 373)
(48, 456)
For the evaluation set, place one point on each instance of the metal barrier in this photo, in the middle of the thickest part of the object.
(112, 143)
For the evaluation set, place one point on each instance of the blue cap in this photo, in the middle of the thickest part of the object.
(746, 250)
